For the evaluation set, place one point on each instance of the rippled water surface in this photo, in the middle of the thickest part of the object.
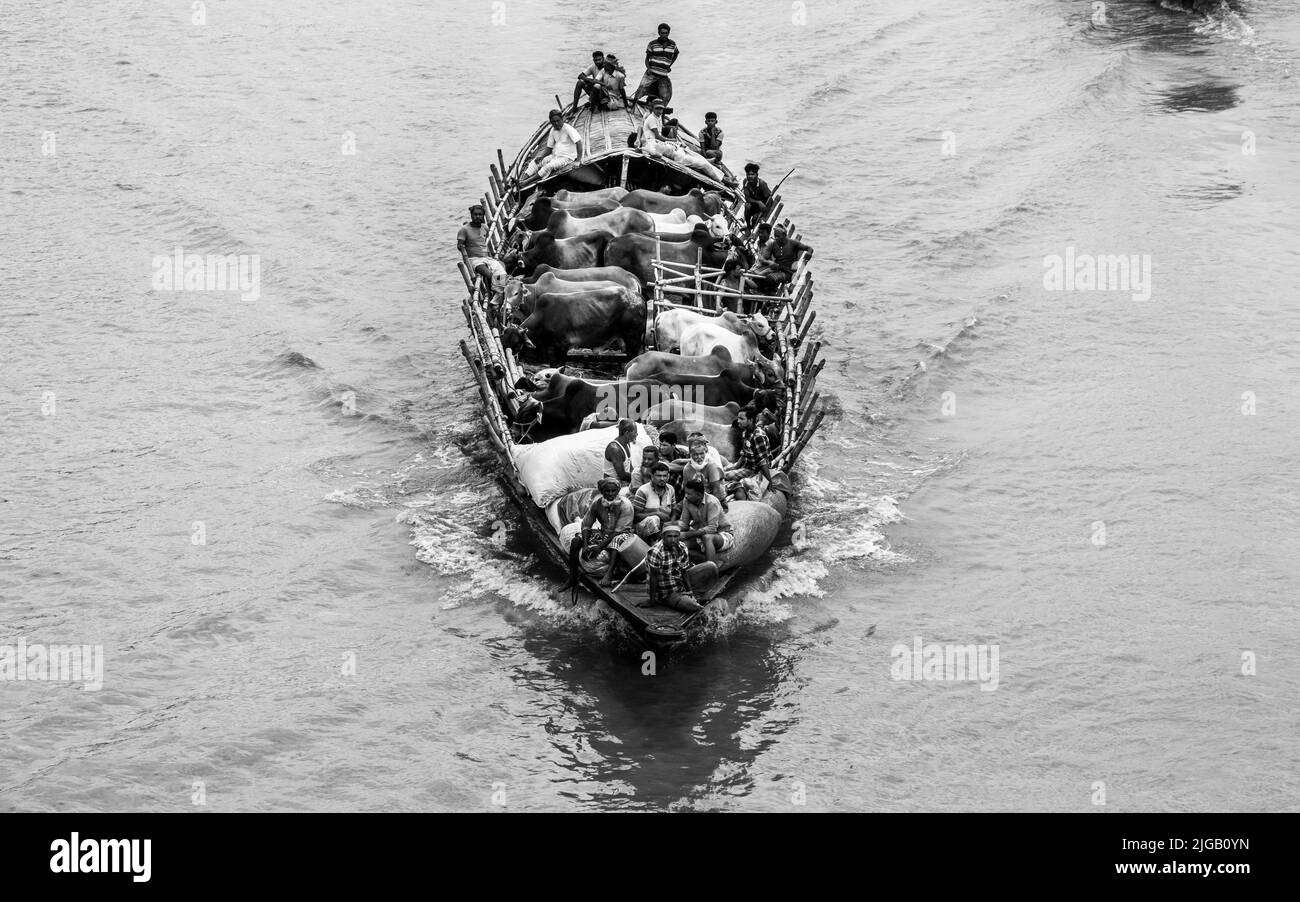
(325, 440)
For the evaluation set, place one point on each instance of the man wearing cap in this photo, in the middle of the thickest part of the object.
(673, 581)
(704, 521)
(564, 145)
(757, 194)
(652, 126)
(471, 241)
(660, 54)
(711, 139)
(613, 513)
(613, 81)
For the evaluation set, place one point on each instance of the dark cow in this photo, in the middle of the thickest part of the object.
(539, 212)
(636, 252)
(621, 221)
(590, 274)
(566, 400)
(720, 436)
(696, 203)
(587, 319)
(566, 253)
(656, 364)
(713, 391)
(520, 296)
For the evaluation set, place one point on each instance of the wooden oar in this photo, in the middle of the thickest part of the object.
(629, 573)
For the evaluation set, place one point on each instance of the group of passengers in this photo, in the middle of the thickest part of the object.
(677, 490)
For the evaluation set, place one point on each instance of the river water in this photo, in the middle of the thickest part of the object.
(278, 517)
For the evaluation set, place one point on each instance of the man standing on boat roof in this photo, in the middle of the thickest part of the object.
(660, 54)
(673, 581)
(471, 241)
(564, 144)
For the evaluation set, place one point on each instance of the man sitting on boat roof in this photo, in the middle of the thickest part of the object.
(659, 138)
(591, 77)
(564, 144)
(471, 241)
(673, 581)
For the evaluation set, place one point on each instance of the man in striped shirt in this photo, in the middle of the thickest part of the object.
(660, 54)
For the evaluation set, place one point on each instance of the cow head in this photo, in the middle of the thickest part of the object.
(759, 325)
(711, 202)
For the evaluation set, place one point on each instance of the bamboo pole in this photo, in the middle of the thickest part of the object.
(807, 324)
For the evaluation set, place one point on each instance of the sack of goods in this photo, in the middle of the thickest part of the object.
(553, 468)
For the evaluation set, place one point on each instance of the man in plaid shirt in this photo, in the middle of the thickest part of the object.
(755, 456)
(673, 581)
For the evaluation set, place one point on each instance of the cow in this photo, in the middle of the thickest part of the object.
(589, 274)
(652, 364)
(615, 194)
(695, 203)
(720, 435)
(636, 252)
(536, 214)
(585, 319)
(671, 324)
(743, 347)
(565, 253)
(560, 406)
(712, 391)
(671, 228)
(520, 295)
(673, 409)
(620, 221)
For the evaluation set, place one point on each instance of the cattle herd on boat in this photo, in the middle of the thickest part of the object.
(639, 320)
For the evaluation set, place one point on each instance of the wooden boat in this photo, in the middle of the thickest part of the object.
(612, 160)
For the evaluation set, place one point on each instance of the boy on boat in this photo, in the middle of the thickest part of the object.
(711, 139)
(564, 144)
(757, 194)
(673, 581)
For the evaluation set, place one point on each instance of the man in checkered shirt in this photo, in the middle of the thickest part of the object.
(755, 456)
(673, 581)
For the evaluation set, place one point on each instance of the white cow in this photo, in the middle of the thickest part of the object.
(678, 224)
(672, 324)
